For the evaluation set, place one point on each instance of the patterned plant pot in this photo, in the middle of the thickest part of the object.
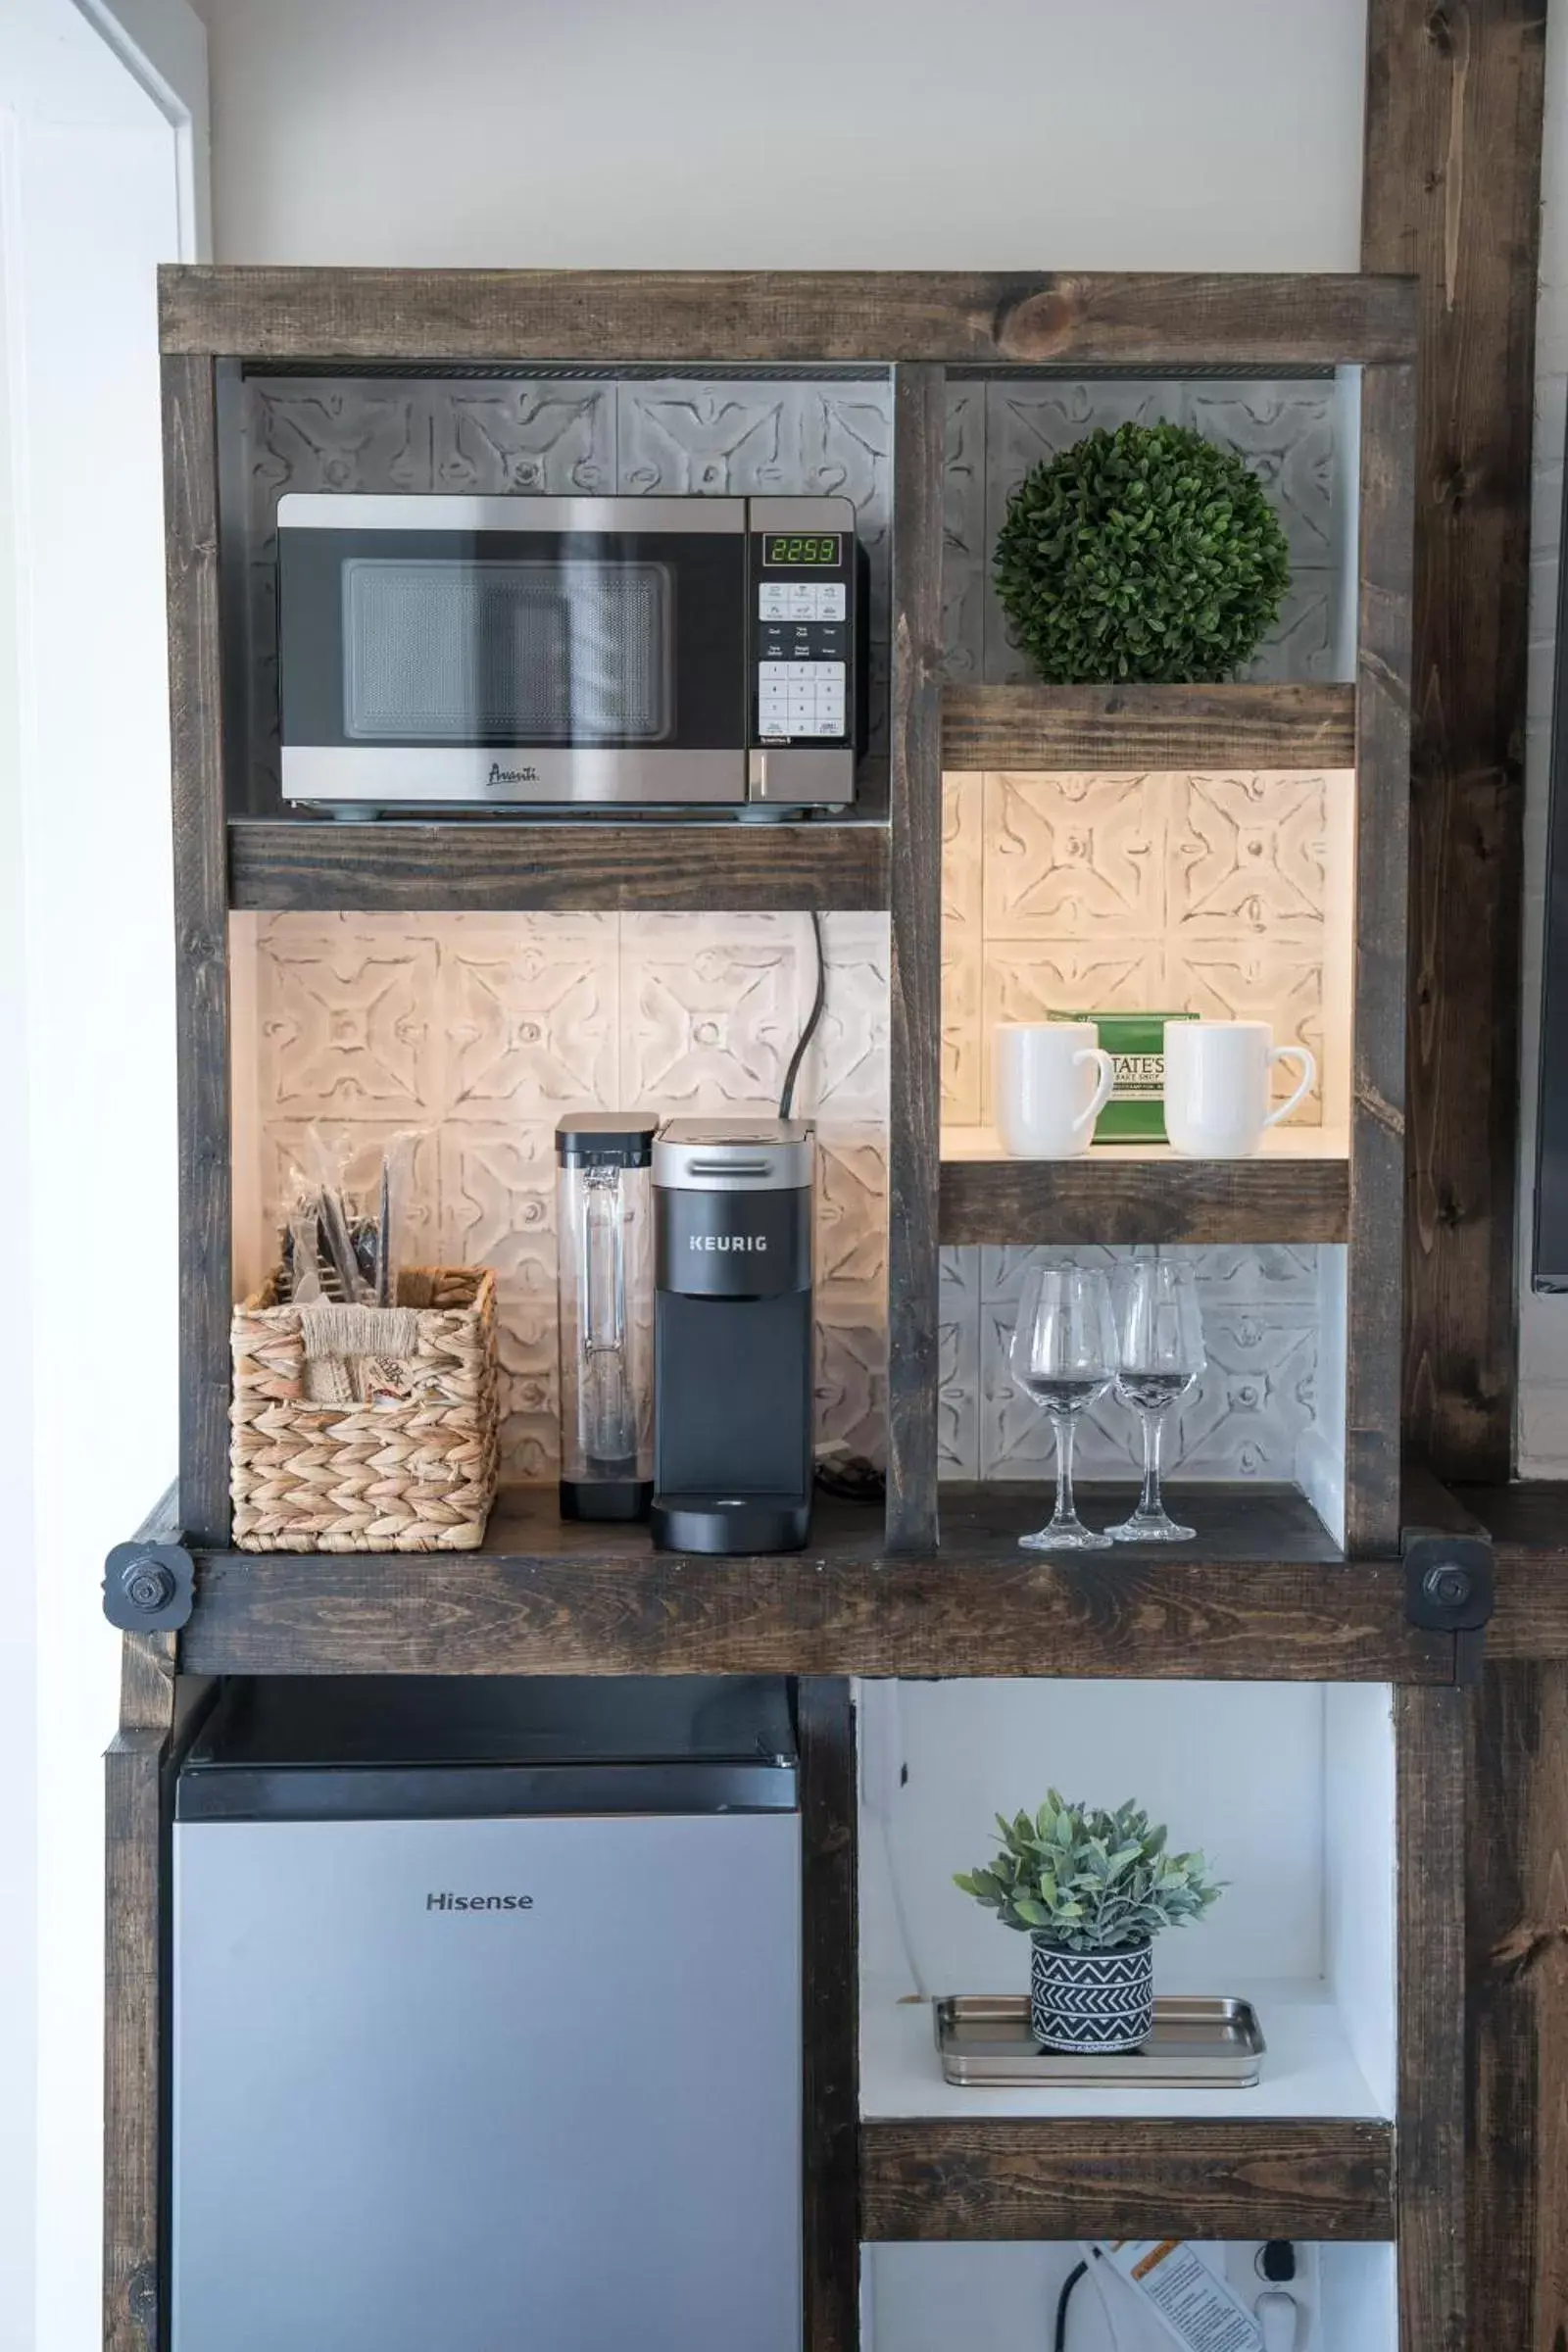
(1090, 2002)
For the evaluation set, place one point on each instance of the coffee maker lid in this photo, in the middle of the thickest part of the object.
(606, 1139)
(740, 1153)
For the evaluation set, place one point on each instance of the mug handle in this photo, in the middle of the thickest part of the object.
(1101, 1093)
(1308, 1061)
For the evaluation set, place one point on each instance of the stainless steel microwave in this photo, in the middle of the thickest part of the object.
(508, 653)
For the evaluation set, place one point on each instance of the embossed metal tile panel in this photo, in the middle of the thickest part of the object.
(1227, 896)
(1292, 434)
(481, 1031)
(1244, 1418)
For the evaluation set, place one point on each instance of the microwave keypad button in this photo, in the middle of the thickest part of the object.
(802, 698)
(802, 599)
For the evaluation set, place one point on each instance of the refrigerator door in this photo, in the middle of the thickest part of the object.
(567, 2121)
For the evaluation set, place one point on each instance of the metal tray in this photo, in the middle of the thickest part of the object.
(1200, 2041)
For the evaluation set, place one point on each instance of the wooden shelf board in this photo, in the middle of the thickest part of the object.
(1318, 2179)
(492, 865)
(788, 317)
(1263, 1594)
(1297, 1189)
(1079, 728)
(1528, 1523)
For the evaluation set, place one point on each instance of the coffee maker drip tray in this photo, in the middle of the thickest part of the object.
(730, 1524)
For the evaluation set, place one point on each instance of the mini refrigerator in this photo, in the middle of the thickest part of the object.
(486, 2018)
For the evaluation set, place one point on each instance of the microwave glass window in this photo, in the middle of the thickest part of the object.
(444, 651)
(820, 548)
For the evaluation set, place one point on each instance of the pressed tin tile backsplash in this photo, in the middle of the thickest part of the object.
(1224, 894)
(481, 1030)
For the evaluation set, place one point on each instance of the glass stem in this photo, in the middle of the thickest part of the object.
(1063, 1511)
(1149, 1502)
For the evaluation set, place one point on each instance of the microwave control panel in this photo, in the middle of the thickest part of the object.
(803, 634)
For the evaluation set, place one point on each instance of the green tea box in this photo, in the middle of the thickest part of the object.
(1136, 1044)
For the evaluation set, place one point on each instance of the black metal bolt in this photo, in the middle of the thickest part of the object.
(1449, 1588)
(148, 1585)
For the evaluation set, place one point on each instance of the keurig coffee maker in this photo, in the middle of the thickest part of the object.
(733, 1334)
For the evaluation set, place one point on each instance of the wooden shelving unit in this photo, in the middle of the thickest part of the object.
(938, 1587)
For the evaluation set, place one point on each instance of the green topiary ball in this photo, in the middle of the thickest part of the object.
(1145, 554)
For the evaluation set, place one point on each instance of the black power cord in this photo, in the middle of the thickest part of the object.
(1062, 2301)
(786, 1099)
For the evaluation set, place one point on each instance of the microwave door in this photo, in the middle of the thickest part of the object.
(425, 664)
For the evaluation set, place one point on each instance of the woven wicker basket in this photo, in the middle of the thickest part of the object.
(414, 1474)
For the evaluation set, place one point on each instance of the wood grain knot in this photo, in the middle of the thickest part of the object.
(1523, 1949)
(141, 2302)
(1038, 325)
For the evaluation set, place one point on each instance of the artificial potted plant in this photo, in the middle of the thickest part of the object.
(1091, 1891)
(1146, 554)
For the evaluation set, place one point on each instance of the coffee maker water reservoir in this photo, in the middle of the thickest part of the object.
(605, 1271)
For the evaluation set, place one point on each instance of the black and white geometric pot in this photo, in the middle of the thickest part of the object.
(1090, 2002)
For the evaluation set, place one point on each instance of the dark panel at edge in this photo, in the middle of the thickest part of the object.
(830, 2016)
(201, 933)
(914, 978)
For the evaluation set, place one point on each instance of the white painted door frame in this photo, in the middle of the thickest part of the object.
(163, 45)
(91, 194)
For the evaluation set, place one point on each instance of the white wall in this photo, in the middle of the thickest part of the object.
(1220, 134)
(88, 206)
(1541, 1434)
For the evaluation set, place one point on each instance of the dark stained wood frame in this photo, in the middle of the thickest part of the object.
(134, 1852)
(830, 2016)
(914, 979)
(1429, 1802)
(1374, 1272)
(1452, 195)
(893, 1606)
(1516, 1929)
(1517, 1965)
(201, 941)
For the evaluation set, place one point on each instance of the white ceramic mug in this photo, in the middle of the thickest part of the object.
(1052, 1084)
(1217, 1082)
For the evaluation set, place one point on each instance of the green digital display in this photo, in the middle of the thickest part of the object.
(818, 548)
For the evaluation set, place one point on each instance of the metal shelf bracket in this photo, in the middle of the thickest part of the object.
(149, 1587)
(1450, 1588)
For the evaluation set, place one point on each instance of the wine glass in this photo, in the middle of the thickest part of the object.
(1159, 1354)
(1063, 1355)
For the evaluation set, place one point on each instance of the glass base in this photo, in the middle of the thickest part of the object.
(1065, 1535)
(1152, 1527)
